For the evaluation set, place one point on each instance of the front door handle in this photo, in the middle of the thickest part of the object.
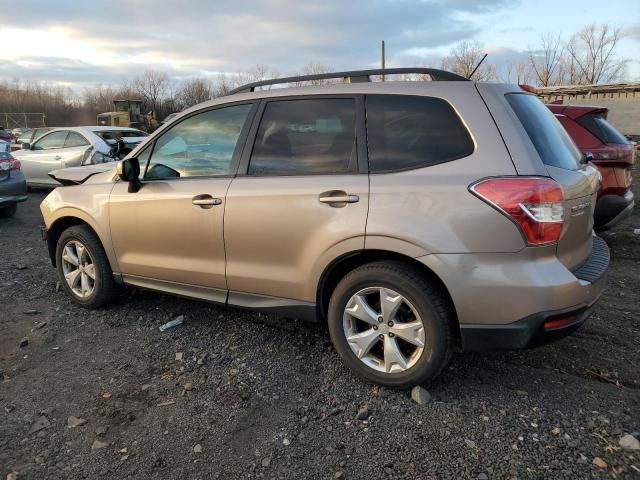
(205, 201)
(338, 197)
(57, 157)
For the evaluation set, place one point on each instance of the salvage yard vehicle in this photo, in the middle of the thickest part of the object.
(414, 218)
(29, 136)
(70, 147)
(610, 151)
(128, 113)
(13, 188)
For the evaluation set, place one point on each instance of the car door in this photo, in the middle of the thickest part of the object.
(300, 198)
(169, 234)
(43, 156)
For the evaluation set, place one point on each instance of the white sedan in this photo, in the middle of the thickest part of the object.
(70, 147)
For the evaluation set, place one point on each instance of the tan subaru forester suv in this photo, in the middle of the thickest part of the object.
(412, 217)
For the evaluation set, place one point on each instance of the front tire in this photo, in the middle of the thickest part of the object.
(83, 268)
(9, 211)
(390, 325)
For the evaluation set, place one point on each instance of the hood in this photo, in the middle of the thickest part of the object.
(79, 175)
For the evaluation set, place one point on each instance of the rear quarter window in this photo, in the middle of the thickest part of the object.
(552, 142)
(407, 132)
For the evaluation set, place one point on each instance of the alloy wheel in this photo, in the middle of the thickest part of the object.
(78, 268)
(383, 329)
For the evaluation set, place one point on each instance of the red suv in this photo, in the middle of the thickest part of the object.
(612, 153)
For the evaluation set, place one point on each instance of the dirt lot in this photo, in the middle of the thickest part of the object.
(232, 394)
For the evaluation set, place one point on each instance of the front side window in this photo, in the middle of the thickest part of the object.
(52, 140)
(405, 132)
(75, 140)
(306, 137)
(199, 146)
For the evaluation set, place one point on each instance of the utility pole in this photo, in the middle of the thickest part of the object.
(382, 59)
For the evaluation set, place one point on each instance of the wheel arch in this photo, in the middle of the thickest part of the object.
(60, 225)
(347, 262)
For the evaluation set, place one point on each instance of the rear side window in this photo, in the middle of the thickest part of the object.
(551, 140)
(75, 140)
(603, 130)
(405, 132)
(306, 137)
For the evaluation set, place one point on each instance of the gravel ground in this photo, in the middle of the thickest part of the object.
(233, 394)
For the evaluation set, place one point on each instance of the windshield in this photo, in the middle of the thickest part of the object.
(548, 136)
(118, 134)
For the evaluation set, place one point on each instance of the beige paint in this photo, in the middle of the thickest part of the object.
(159, 233)
(276, 229)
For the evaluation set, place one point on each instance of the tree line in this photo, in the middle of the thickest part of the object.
(586, 57)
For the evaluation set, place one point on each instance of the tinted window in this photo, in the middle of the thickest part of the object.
(550, 139)
(406, 132)
(306, 137)
(201, 145)
(52, 140)
(603, 130)
(75, 140)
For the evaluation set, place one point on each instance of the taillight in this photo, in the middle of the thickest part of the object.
(9, 164)
(613, 157)
(535, 204)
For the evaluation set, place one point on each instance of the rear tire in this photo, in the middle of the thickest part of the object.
(396, 352)
(83, 268)
(9, 211)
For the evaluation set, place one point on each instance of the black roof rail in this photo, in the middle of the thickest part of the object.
(355, 76)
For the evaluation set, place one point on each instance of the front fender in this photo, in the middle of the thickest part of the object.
(89, 204)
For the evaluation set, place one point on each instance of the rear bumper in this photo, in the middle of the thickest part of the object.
(13, 189)
(510, 301)
(611, 209)
(528, 332)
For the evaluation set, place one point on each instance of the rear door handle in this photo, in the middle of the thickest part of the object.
(57, 157)
(205, 201)
(339, 198)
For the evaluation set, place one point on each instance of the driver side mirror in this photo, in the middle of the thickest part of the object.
(25, 146)
(129, 171)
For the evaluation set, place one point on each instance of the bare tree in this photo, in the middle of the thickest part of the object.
(592, 51)
(568, 72)
(517, 71)
(194, 91)
(464, 58)
(546, 61)
(315, 69)
(153, 87)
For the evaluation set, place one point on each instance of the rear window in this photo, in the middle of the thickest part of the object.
(548, 136)
(405, 132)
(603, 130)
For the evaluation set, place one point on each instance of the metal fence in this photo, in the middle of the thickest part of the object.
(22, 120)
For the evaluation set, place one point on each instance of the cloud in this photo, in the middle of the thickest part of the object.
(109, 41)
(632, 32)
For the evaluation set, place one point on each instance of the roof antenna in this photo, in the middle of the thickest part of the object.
(477, 66)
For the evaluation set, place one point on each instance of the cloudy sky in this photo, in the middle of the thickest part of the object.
(82, 42)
